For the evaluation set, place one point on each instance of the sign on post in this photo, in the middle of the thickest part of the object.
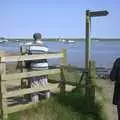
(89, 15)
(98, 13)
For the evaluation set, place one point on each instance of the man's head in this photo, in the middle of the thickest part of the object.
(37, 36)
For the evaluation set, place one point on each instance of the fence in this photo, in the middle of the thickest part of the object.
(4, 77)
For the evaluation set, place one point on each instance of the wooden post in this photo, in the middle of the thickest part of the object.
(24, 82)
(88, 51)
(63, 62)
(62, 80)
(3, 90)
(92, 77)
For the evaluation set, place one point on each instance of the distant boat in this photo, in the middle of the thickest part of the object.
(28, 43)
(17, 40)
(71, 41)
(96, 40)
(62, 40)
(3, 41)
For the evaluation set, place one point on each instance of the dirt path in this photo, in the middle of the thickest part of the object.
(109, 108)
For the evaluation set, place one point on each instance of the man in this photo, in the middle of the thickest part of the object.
(39, 81)
(115, 76)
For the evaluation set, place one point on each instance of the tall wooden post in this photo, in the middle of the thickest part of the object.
(87, 51)
(88, 64)
(3, 90)
(63, 62)
(92, 77)
(24, 82)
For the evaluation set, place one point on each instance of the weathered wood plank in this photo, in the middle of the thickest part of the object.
(20, 107)
(31, 57)
(63, 60)
(18, 76)
(27, 91)
(62, 81)
(3, 90)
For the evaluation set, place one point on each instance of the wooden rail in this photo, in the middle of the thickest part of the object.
(27, 91)
(31, 57)
(18, 76)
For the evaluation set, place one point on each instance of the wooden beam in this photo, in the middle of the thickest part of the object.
(3, 90)
(31, 57)
(63, 60)
(17, 108)
(27, 91)
(18, 76)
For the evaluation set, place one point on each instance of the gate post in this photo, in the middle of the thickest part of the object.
(3, 90)
(63, 62)
(92, 77)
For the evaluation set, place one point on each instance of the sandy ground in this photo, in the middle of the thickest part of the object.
(109, 108)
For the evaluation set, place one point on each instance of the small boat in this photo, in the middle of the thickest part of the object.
(18, 41)
(71, 41)
(63, 40)
(28, 43)
(3, 41)
(96, 40)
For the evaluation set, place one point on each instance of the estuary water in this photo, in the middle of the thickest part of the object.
(103, 52)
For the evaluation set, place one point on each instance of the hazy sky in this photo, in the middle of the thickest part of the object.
(55, 18)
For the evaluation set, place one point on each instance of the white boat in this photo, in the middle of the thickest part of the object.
(96, 40)
(17, 40)
(71, 41)
(2, 41)
(28, 43)
(63, 40)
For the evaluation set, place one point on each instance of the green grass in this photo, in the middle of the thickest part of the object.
(71, 106)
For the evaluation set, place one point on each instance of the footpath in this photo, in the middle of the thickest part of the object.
(107, 93)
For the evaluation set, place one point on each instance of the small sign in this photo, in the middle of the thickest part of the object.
(98, 13)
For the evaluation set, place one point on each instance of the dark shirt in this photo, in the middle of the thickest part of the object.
(115, 76)
(115, 72)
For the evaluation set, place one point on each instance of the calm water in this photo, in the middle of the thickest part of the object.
(103, 52)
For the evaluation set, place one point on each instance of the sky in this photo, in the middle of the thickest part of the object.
(58, 18)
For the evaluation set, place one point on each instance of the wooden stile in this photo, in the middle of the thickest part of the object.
(5, 110)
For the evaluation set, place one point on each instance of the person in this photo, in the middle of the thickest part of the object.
(37, 47)
(115, 76)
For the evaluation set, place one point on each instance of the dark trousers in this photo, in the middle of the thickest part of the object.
(118, 111)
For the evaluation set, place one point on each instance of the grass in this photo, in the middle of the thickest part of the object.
(71, 106)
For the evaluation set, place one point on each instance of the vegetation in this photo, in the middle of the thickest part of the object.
(71, 106)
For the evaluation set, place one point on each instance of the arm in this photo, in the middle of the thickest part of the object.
(114, 71)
